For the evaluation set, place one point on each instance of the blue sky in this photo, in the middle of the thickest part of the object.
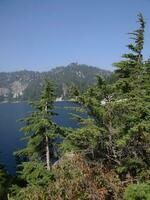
(41, 34)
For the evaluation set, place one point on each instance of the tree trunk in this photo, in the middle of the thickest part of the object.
(48, 166)
(110, 132)
(47, 154)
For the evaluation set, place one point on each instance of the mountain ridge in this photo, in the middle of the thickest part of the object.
(26, 84)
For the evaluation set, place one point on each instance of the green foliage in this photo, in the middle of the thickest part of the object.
(34, 179)
(39, 127)
(34, 173)
(84, 138)
(31, 192)
(4, 182)
(119, 135)
(129, 70)
(137, 192)
(73, 92)
(71, 178)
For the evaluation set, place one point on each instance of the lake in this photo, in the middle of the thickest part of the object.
(10, 136)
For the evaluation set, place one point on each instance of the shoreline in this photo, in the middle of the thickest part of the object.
(13, 102)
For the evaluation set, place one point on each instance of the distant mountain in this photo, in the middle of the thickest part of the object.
(26, 85)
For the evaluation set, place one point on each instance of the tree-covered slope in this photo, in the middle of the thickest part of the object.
(25, 85)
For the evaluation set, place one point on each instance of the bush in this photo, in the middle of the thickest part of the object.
(138, 192)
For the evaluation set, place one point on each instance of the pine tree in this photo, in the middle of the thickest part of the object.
(133, 81)
(73, 91)
(97, 133)
(40, 130)
(129, 70)
(120, 115)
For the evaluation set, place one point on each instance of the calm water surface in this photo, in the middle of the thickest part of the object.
(9, 128)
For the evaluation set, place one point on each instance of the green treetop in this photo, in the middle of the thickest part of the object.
(129, 70)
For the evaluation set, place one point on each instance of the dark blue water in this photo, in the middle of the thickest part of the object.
(9, 127)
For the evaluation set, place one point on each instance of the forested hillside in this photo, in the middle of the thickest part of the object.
(26, 85)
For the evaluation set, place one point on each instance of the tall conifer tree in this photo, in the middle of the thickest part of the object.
(40, 129)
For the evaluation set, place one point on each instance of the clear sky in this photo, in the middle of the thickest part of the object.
(41, 34)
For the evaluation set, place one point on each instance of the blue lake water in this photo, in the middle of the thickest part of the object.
(10, 136)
